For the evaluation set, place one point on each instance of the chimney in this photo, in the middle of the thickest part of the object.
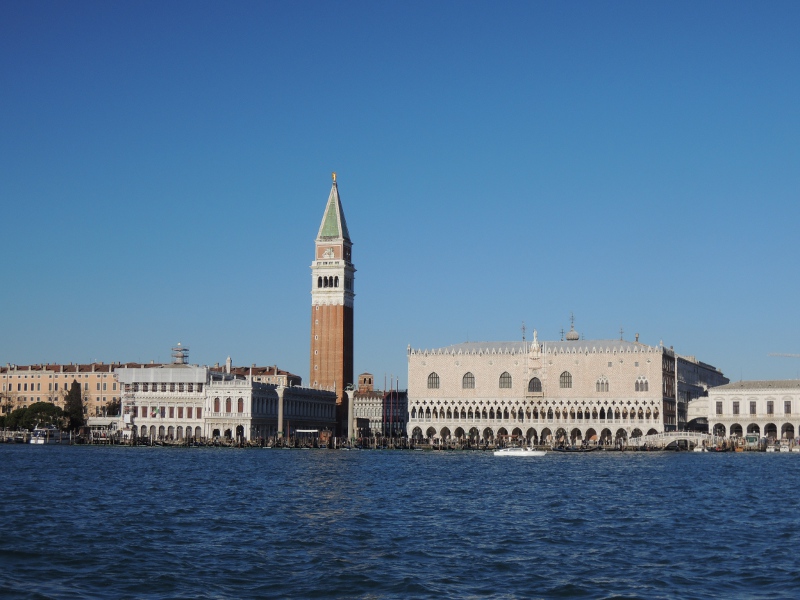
(228, 365)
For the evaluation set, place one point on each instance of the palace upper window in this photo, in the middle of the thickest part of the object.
(433, 381)
(505, 380)
(468, 381)
(565, 380)
(601, 385)
(535, 385)
(641, 385)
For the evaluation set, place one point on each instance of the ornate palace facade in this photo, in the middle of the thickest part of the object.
(599, 390)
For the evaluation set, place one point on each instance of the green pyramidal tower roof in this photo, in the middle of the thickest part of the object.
(333, 224)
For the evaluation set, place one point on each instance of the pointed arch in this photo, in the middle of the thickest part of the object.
(433, 381)
(468, 381)
(565, 380)
(505, 380)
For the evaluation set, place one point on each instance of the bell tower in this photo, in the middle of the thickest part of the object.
(332, 294)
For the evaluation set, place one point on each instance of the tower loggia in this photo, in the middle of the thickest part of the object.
(332, 295)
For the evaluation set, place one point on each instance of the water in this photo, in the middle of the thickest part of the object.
(92, 522)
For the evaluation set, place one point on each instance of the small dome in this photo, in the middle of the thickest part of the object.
(572, 335)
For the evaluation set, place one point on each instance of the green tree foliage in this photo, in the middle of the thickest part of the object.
(73, 407)
(113, 408)
(42, 413)
(14, 419)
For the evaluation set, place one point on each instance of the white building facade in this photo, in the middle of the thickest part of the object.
(189, 402)
(593, 390)
(241, 408)
(163, 402)
(769, 409)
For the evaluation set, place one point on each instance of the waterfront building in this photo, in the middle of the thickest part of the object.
(332, 295)
(26, 385)
(180, 401)
(379, 412)
(694, 380)
(238, 407)
(768, 409)
(164, 402)
(175, 401)
(573, 389)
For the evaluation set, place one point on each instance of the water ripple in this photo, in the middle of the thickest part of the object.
(219, 523)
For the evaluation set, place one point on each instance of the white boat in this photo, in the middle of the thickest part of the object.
(519, 452)
(46, 434)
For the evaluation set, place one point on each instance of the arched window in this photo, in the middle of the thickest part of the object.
(505, 380)
(336, 281)
(535, 385)
(641, 385)
(216, 404)
(433, 381)
(240, 405)
(565, 380)
(414, 413)
(227, 405)
(601, 385)
(468, 381)
(319, 282)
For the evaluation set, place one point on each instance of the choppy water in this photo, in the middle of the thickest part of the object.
(220, 523)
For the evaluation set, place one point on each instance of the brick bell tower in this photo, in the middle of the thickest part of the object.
(332, 294)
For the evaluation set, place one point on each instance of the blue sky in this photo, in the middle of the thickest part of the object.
(164, 167)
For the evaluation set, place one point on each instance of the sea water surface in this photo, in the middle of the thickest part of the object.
(88, 522)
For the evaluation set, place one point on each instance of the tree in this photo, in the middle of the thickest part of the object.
(73, 407)
(112, 408)
(41, 413)
(14, 419)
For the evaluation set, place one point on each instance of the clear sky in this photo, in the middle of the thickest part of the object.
(164, 167)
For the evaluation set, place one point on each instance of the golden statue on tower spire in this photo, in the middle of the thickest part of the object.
(334, 176)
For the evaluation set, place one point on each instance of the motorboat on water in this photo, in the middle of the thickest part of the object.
(519, 452)
(45, 434)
